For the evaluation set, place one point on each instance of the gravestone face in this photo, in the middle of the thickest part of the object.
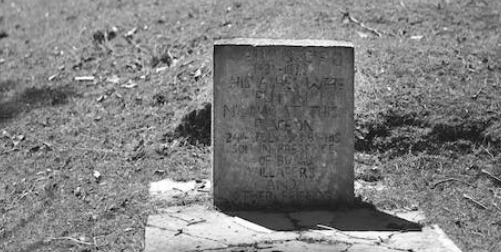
(283, 124)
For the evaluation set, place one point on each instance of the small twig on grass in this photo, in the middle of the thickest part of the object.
(475, 201)
(71, 239)
(449, 179)
(355, 21)
(487, 151)
(490, 175)
(475, 96)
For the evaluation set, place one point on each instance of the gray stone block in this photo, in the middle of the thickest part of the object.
(283, 124)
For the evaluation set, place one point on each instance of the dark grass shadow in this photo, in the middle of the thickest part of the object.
(35, 246)
(8, 234)
(195, 126)
(13, 102)
(358, 218)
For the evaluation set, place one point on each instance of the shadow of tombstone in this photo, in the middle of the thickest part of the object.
(357, 219)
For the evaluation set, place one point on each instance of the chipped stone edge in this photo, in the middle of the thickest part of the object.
(282, 42)
(446, 241)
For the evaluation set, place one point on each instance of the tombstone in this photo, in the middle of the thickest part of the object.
(283, 124)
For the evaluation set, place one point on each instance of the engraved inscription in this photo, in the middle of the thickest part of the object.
(282, 108)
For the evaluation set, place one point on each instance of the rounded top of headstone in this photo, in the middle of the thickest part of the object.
(283, 42)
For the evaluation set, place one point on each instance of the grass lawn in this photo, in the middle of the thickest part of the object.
(77, 154)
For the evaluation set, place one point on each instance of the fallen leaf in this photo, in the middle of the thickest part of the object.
(137, 155)
(413, 207)
(101, 98)
(47, 146)
(97, 175)
(52, 77)
(175, 143)
(131, 33)
(174, 62)
(16, 140)
(226, 24)
(112, 33)
(160, 69)
(118, 205)
(129, 85)
(159, 172)
(203, 186)
(6, 134)
(363, 34)
(84, 238)
(198, 74)
(78, 192)
(113, 79)
(34, 148)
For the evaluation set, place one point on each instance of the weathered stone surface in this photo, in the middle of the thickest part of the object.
(283, 124)
(197, 228)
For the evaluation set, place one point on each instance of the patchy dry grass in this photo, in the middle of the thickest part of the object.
(427, 109)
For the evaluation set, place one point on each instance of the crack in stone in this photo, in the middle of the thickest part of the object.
(182, 232)
(255, 245)
(362, 241)
(311, 240)
(348, 248)
(263, 244)
(300, 237)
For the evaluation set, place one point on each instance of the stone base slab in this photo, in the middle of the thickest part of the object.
(198, 228)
